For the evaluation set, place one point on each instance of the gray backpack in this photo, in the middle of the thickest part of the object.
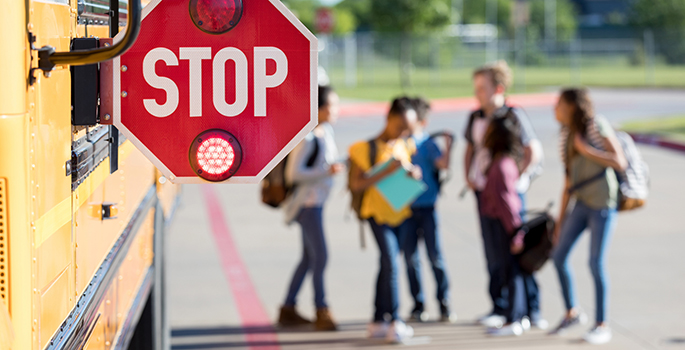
(634, 181)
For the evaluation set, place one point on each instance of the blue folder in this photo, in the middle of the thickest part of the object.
(399, 189)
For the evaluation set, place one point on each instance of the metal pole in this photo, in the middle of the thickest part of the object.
(521, 58)
(493, 43)
(649, 56)
(351, 60)
(435, 50)
(550, 22)
(576, 51)
(457, 11)
(159, 307)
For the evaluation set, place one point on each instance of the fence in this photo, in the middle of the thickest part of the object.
(441, 64)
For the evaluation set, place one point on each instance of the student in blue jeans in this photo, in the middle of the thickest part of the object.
(423, 222)
(590, 151)
(393, 148)
(490, 84)
(311, 167)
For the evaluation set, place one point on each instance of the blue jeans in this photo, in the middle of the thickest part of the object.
(510, 274)
(601, 224)
(423, 223)
(531, 285)
(497, 286)
(495, 263)
(314, 256)
(387, 298)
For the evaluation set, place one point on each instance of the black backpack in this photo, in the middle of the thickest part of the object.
(275, 189)
(537, 243)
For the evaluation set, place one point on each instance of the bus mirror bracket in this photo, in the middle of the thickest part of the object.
(48, 58)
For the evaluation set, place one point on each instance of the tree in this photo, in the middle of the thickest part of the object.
(361, 10)
(408, 18)
(304, 10)
(475, 13)
(566, 19)
(667, 18)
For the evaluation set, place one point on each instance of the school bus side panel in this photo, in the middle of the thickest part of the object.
(14, 167)
(50, 140)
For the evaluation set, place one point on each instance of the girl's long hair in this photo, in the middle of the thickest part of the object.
(584, 111)
(503, 137)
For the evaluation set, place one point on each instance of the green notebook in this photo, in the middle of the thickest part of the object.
(398, 188)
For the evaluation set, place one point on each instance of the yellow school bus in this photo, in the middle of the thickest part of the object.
(82, 212)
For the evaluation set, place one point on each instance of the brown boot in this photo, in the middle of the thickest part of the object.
(324, 321)
(290, 318)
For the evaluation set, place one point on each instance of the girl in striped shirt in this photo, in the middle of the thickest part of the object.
(590, 152)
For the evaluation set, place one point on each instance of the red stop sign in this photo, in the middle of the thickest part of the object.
(244, 70)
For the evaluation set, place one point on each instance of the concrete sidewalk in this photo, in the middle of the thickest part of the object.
(646, 264)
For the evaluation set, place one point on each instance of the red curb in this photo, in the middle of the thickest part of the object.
(371, 109)
(250, 309)
(656, 140)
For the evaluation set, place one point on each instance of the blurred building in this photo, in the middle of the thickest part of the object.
(602, 13)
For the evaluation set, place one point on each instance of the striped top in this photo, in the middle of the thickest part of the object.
(599, 194)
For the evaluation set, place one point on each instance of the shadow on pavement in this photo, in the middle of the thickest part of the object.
(351, 335)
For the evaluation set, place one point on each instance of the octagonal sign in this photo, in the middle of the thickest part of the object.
(217, 90)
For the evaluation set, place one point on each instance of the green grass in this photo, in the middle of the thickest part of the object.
(383, 83)
(670, 127)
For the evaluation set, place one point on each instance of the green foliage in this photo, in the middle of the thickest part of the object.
(410, 16)
(475, 13)
(361, 10)
(345, 21)
(304, 10)
(566, 19)
(667, 19)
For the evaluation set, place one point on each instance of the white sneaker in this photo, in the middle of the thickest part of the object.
(492, 321)
(399, 332)
(598, 335)
(525, 323)
(540, 324)
(513, 329)
(377, 330)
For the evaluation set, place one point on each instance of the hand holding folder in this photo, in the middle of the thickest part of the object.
(399, 189)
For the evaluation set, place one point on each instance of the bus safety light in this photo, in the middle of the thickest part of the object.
(216, 16)
(215, 155)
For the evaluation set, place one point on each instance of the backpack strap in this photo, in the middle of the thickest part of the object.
(315, 153)
(586, 182)
(373, 153)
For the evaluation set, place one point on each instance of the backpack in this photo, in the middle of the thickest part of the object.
(275, 188)
(358, 197)
(537, 242)
(634, 180)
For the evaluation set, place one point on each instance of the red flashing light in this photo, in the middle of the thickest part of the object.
(215, 155)
(216, 16)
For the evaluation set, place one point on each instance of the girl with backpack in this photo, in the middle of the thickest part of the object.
(310, 170)
(386, 223)
(591, 152)
(500, 206)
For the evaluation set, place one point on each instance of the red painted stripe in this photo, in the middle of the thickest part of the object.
(250, 309)
(656, 140)
(369, 109)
